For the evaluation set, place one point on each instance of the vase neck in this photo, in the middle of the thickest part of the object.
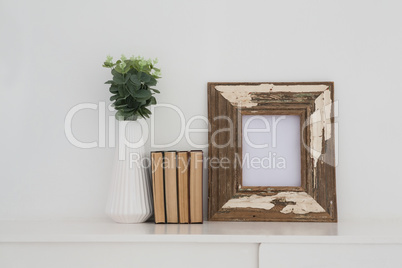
(133, 131)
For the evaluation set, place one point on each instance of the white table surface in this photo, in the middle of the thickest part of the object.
(209, 232)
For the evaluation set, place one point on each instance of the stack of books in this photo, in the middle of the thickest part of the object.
(177, 186)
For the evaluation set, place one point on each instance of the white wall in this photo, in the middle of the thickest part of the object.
(51, 56)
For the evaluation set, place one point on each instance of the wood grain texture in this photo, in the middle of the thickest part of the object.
(227, 199)
(183, 186)
(158, 187)
(196, 167)
(172, 213)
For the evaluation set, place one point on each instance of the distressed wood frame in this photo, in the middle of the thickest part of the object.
(315, 200)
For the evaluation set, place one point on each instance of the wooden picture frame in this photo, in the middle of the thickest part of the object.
(315, 200)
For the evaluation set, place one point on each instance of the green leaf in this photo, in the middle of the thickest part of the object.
(143, 94)
(131, 102)
(128, 66)
(119, 107)
(132, 70)
(146, 111)
(114, 97)
(113, 89)
(152, 81)
(142, 114)
(155, 90)
(120, 102)
(114, 72)
(150, 101)
(134, 79)
(126, 91)
(143, 77)
(128, 110)
(121, 90)
(119, 69)
(127, 77)
(119, 115)
(131, 86)
(118, 78)
(107, 64)
(132, 89)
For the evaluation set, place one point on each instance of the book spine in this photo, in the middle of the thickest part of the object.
(196, 167)
(158, 187)
(183, 186)
(171, 187)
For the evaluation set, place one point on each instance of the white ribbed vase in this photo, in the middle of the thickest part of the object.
(130, 199)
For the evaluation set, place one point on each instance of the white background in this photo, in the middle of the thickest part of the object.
(52, 51)
(271, 150)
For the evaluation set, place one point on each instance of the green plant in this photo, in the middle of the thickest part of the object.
(131, 86)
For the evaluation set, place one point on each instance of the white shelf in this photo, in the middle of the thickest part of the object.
(209, 232)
